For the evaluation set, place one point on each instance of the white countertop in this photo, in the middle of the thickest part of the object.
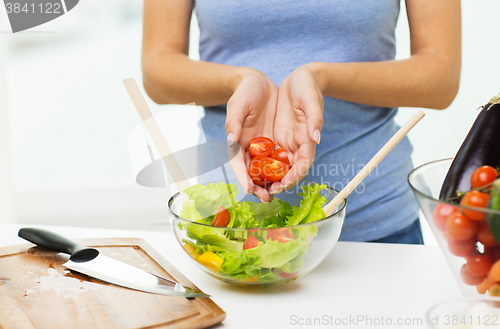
(359, 285)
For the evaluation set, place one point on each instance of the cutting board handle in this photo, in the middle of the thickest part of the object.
(59, 243)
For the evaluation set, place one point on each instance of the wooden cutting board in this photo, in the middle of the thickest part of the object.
(37, 292)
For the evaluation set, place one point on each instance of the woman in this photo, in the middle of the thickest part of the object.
(338, 83)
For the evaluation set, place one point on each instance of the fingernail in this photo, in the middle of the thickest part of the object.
(281, 189)
(259, 198)
(317, 136)
(230, 138)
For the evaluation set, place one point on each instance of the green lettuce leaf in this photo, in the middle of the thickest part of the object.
(218, 240)
(272, 222)
(264, 210)
(189, 211)
(240, 265)
(276, 254)
(310, 205)
(208, 198)
(285, 210)
(242, 216)
(295, 264)
(266, 275)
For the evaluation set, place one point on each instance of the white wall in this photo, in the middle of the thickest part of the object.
(6, 209)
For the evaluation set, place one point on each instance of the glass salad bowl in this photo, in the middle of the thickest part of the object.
(426, 182)
(262, 253)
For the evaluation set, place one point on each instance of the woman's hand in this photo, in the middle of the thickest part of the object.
(299, 119)
(251, 112)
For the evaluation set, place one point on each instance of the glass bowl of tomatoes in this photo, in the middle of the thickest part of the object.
(265, 252)
(464, 228)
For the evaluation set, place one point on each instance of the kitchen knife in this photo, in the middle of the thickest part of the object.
(90, 262)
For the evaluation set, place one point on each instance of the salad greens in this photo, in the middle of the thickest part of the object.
(277, 251)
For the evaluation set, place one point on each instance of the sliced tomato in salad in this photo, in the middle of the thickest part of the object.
(283, 235)
(251, 242)
(222, 217)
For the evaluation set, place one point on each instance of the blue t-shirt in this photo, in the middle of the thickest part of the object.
(276, 37)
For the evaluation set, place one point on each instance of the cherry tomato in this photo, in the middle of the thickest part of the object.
(460, 248)
(288, 275)
(494, 253)
(474, 199)
(469, 278)
(251, 242)
(272, 170)
(484, 235)
(283, 235)
(254, 171)
(280, 155)
(460, 227)
(441, 213)
(483, 176)
(479, 264)
(222, 217)
(261, 146)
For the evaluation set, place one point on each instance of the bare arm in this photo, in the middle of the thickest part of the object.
(171, 77)
(168, 73)
(429, 78)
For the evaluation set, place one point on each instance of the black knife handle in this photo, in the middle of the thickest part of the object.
(59, 243)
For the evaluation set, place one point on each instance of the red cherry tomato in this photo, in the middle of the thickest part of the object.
(485, 236)
(483, 176)
(280, 155)
(479, 264)
(441, 213)
(254, 170)
(283, 235)
(494, 253)
(261, 146)
(251, 242)
(460, 227)
(463, 248)
(272, 170)
(469, 278)
(474, 199)
(222, 217)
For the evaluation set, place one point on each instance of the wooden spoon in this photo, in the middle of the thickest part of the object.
(154, 131)
(398, 136)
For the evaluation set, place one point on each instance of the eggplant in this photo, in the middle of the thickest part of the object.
(480, 147)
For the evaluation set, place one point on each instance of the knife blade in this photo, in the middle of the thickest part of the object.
(90, 262)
